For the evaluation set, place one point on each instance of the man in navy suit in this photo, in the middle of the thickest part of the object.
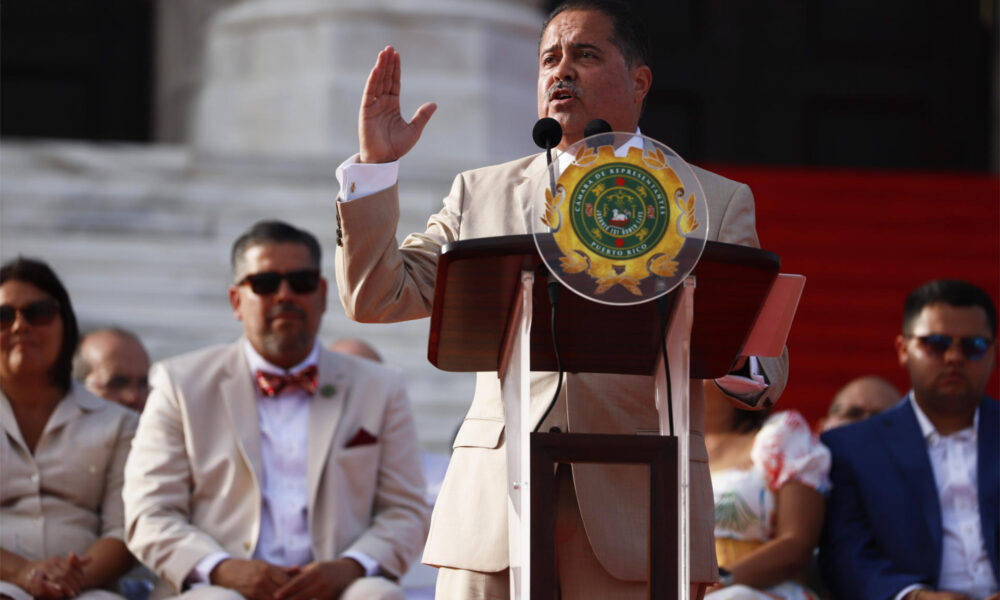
(913, 513)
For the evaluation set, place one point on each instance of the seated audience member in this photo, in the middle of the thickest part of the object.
(63, 451)
(768, 475)
(916, 489)
(113, 364)
(354, 347)
(270, 466)
(859, 399)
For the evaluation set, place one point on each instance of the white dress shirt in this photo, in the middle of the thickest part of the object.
(965, 565)
(284, 527)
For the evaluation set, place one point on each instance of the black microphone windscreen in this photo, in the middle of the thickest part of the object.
(547, 133)
(596, 127)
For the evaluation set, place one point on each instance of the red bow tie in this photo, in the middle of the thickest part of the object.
(272, 384)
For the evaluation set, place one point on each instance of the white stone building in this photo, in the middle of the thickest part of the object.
(256, 104)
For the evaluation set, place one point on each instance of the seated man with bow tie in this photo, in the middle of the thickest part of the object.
(272, 467)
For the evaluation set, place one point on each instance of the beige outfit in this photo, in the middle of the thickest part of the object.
(66, 495)
(379, 281)
(192, 484)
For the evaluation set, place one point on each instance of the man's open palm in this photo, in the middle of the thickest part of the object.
(383, 133)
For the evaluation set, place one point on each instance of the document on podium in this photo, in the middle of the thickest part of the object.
(770, 330)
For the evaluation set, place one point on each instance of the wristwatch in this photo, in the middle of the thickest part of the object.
(725, 577)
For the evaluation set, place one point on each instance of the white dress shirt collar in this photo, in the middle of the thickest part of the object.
(636, 141)
(256, 362)
(930, 433)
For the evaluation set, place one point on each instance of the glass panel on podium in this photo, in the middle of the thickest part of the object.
(619, 218)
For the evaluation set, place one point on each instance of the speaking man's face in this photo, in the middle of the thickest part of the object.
(280, 321)
(583, 76)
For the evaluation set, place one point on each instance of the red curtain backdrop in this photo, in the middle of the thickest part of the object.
(864, 240)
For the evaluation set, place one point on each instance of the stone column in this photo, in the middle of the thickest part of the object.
(283, 81)
(181, 31)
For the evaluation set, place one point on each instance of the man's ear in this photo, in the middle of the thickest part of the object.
(234, 301)
(901, 353)
(642, 79)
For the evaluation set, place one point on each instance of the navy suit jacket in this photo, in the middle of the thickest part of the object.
(883, 521)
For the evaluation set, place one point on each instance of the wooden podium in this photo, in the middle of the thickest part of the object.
(489, 315)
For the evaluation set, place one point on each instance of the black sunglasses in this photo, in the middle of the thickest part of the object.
(974, 347)
(304, 281)
(37, 313)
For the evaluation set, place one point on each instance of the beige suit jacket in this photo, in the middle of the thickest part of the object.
(192, 480)
(381, 281)
(71, 483)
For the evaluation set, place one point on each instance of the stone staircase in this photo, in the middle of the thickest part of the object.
(142, 240)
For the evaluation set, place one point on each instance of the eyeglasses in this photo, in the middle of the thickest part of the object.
(974, 347)
(118, 383)
(36, 314)
(304, 281)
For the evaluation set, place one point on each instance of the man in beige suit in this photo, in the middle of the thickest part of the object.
(271, 467)
(592, 64)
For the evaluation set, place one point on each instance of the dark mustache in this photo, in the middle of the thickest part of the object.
(564, 85)
(285, 307)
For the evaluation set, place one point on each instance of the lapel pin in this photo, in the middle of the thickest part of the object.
(328, 390)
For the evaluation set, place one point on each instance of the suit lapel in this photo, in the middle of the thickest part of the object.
(989, 477)
(9, 423)
(69, 408)
(526, 190)
(325, 410)
(237, 390)
(905, 442)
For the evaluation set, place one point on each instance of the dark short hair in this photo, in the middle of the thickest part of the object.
(953, 292)
(274, 232)
(627, 31)
(40, 275)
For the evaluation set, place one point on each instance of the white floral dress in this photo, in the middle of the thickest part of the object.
(783, 450)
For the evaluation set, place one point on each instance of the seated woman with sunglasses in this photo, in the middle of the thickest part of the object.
(769, 475)
(63, 451)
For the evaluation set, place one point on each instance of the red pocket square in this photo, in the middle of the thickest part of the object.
(361, 438)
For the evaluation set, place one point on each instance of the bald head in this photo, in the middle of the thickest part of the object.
(355, 347)
(113, 364)
(860, 399)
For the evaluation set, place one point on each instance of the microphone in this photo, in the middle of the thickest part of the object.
(547, 134)
(596, 127)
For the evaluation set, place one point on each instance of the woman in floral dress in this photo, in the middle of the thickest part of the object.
(769, 477)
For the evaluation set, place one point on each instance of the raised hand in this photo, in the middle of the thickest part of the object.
(383, 133)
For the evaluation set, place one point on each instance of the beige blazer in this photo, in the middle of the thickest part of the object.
(192, 480)
(72, 482)
(379, 281)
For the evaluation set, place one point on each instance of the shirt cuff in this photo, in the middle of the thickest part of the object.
(364, 179)
(369, 564)
(907, 590)
(745, 388)
(201, 573)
